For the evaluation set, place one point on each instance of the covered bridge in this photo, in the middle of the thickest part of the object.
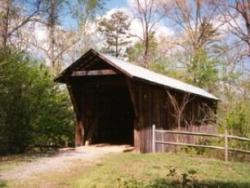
(118, 102)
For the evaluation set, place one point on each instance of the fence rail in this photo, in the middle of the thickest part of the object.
(225, 136)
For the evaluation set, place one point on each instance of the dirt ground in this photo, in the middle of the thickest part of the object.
(61, 161)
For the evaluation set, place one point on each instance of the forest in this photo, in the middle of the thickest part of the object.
(203, 42)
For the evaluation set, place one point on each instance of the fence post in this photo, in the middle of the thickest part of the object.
(226, 145)
(153, 138)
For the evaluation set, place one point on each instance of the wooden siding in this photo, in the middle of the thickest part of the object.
(112, 106)
(153, 107)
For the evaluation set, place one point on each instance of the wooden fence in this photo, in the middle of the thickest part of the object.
(224, 136)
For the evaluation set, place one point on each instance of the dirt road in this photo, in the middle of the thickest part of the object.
(60, 162)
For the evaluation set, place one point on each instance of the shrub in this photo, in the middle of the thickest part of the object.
(33, 110)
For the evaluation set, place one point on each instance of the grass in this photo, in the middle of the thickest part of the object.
(129, 170)
(162, 170)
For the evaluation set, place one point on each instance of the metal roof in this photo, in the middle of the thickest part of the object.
(135, 71)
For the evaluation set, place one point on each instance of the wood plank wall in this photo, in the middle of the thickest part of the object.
(148, 104)
(151, 106)
(154, 107)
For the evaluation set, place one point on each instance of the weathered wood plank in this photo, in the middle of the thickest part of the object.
(132, 96)
(79, 129)
(186, 144)
(238, 138)
(190, 133)
(106, 72)
(239, 150)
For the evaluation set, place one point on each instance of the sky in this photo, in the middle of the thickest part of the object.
(115, 4)
(69, 23)
(162, 30)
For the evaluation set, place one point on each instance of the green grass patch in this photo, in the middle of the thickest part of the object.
(129, 170)
(3, 184)
(164, 170)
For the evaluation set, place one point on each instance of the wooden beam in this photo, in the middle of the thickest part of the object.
(87, 62)
(103, 72)
(239, 150)
(79, 130)
(238, 138)
(191, 145)
(73, 100)
(91, 131)
(132, 96)
(190, 133)
(79, 133)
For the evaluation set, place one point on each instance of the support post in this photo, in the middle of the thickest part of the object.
(226, 146)
(79, 133)
(153, 138)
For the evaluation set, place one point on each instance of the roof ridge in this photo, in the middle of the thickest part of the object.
(136, 71)
(209, 95)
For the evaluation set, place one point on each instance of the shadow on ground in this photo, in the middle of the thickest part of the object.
(163, 183)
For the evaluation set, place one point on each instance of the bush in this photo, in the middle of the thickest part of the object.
(237, 119)
(33, 110)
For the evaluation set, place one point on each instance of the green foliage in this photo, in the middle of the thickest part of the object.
(126, 182)
(135, 53)
(115, 29)
(164, 65)
(2, 184)
(203, 70)
(158, 62)
(85, 9)
(238, 120)
(33, 111)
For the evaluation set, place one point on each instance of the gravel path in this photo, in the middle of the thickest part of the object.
(63, 160)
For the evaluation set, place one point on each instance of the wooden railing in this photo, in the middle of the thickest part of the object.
(224, 136)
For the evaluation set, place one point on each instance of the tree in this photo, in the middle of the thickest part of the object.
(115, 30)
(84, 13)
(237, 121)
(148, 13)
(51, 19)
(194, 18)
(4, 19)
(61, 41)
(135, 53)
(85, 10)
(28, 98)
(158, 58)
(203, 70)
(198, 38)
(10, 12)
(237, 16)
(178, 106)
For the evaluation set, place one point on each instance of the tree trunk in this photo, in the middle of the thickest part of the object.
(51, 25)
(145, 58)
(179, 126)
(4, 22)
(116, 47)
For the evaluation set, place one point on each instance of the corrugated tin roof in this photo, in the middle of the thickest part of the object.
(145, 74)
(136, 71)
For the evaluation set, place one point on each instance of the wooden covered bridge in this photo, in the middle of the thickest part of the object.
(118, 102)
